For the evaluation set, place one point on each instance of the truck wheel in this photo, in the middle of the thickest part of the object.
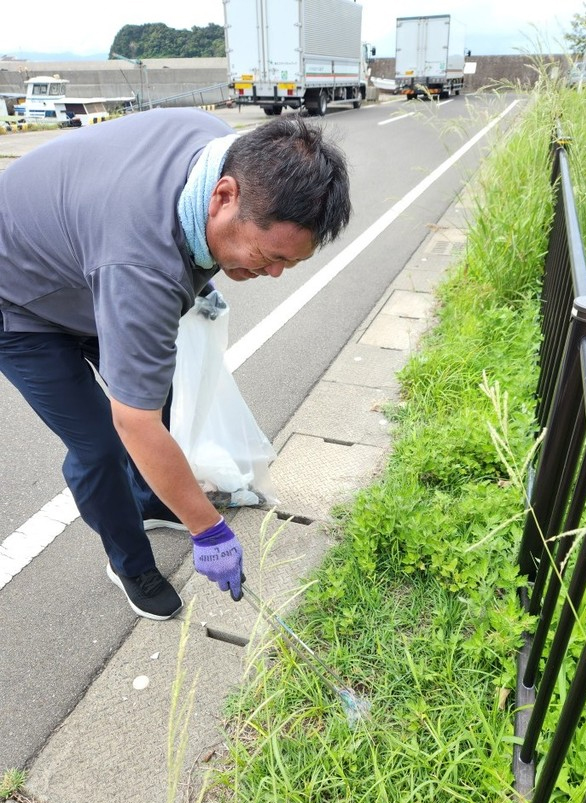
(268, 110)
(277, 110)
(357, 102)
(322, 103)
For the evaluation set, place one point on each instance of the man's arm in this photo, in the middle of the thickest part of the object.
(163, 465)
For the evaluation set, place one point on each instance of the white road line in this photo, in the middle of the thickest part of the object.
(40, 530)
(34, 535)
(394, 119)
(237, 354)
(410, 114)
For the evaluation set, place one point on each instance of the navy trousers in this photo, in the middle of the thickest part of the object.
(53, 373)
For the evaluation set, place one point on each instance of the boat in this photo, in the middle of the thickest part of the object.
(46, 101)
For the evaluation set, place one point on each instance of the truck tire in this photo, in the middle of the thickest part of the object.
(322, 103)
(357, 102)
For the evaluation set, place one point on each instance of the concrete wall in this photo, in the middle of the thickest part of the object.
(164, 78)
(491, 71)
(160, 78)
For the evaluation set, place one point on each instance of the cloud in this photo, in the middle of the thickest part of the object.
(493, 28)
(501, 25)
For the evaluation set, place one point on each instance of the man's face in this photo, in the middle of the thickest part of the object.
(244, 250)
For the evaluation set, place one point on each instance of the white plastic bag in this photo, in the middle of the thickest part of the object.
(210, 420)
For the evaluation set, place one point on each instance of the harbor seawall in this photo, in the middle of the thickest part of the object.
(166, 78)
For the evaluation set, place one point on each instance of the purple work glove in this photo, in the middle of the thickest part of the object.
(217, 554)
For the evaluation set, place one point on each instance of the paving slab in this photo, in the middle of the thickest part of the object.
(313, 475)
(368, 367)
(418, 278)
(115, 741)
(395, 332)
(410, 304)
(347, 413)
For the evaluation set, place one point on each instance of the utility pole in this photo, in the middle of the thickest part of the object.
(143, 78)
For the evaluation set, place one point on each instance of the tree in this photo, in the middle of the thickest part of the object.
(576, 39)
(155, 40)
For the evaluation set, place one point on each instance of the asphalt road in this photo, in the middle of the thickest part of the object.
(60, 618)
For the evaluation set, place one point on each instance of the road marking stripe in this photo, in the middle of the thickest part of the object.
(394, 119)
(35, 534)
(241, 351)
(29, 540)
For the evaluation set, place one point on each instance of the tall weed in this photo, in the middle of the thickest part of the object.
(417, 606)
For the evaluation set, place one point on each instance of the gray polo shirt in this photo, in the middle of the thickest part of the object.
(91, 244)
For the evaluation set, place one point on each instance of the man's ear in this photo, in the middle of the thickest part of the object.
(225, 196)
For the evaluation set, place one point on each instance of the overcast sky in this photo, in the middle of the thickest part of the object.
(492, 28)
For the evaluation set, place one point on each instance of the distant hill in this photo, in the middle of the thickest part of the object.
(153, 40)
(34, 56)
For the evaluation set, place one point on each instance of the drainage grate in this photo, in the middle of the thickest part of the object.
(227, 638)
(446, 248)
(282, 516)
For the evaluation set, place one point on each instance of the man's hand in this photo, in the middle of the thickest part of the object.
(217, 554)
(211, 306)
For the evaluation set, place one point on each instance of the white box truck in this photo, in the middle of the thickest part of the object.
(430, 54)
(294, 53)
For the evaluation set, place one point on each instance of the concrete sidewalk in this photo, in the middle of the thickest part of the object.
(112, 747)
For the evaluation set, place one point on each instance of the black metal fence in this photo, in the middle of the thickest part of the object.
(553, 549)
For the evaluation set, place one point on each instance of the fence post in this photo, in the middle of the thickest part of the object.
(557, 497)
(556, 655)
(565, 406)
(568, 721)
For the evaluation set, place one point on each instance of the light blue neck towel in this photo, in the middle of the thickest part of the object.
(194, 201)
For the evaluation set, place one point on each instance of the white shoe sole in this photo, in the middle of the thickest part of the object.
(154, 524)
(118, 582)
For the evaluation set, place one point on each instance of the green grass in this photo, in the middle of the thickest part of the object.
(416, 606)
(11, 782)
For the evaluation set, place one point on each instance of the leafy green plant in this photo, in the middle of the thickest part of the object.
(417, 605)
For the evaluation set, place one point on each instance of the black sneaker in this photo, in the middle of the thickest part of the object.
(149, 594)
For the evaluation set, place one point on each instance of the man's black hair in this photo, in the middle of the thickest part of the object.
(287, 171)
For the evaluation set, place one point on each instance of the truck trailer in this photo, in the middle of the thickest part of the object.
(430, 55)
(294, 53)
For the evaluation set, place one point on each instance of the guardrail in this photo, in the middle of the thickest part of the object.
(553, 548)
(214, 95)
